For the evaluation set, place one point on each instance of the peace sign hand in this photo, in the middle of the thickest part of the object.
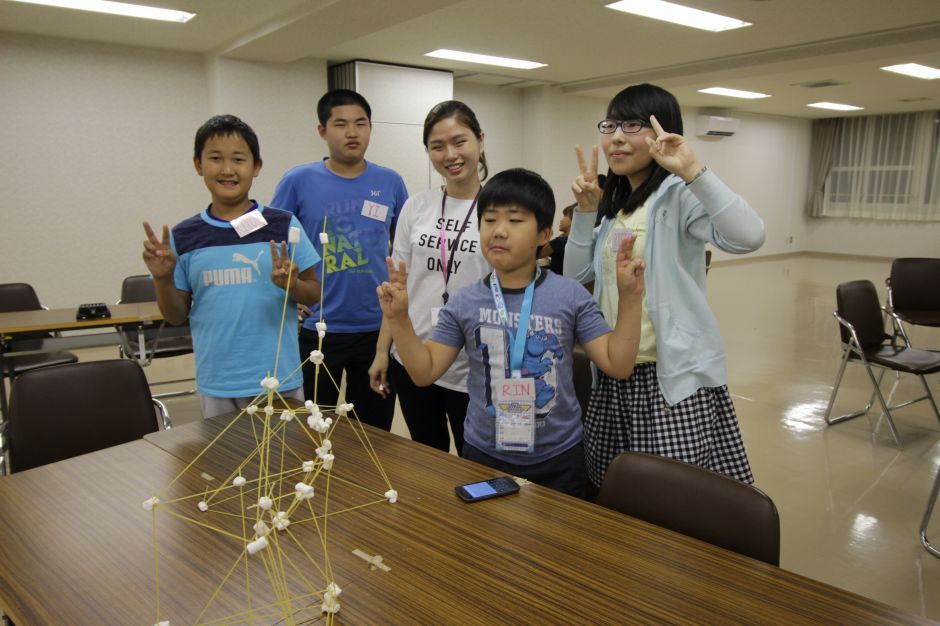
(585, 187)
(282, 267)
(672, 151)
(630, 269)
(393, 294)
(158, 255)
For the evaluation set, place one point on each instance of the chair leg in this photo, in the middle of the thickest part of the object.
(927, 514)
(835, 391)
(933, 402)
(884, 405)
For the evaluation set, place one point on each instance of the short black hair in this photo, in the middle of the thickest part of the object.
(337, 98)
(569, 210)
(520, 188)
(226, 126)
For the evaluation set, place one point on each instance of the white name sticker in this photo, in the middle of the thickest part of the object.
(515, 414)
(249, 223)
(374, 210)
(435, 315)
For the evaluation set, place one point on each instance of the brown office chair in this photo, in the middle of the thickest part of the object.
(67, 410)
(157, 343)
(15, 297)
(865, 341)
(695, 502)
(914, 292)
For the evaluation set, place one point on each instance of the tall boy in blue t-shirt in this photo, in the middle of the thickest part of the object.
(356, 202)
(519, 327)
(222, 270)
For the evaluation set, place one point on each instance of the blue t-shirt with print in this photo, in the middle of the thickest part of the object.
(360, 215)
(236, 310)
(563, 313)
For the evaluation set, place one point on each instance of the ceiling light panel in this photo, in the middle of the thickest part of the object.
(678, 14)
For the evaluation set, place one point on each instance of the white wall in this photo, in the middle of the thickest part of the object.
(95, 139)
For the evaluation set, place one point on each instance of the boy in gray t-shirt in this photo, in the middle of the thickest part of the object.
(519, 331)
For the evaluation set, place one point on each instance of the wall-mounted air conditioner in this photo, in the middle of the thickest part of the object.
(716, 126)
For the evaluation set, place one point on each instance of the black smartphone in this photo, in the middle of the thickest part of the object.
(485, 489)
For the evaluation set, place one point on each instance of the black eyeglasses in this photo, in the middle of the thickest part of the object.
(609, 127)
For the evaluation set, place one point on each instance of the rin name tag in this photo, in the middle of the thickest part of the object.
(374, 210)
(248, 223)
(515, 414)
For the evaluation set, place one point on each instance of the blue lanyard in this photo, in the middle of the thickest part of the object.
(517, 341)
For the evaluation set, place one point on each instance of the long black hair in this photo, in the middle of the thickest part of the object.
(638, 102)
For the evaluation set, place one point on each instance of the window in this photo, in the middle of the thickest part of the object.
(885, 167)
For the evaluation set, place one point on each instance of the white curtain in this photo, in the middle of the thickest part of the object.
(884, 167)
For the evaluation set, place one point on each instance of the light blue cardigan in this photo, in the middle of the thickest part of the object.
(681, 219)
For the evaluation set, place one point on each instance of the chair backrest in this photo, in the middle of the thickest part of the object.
(583, 379)
(695, 502)
(857, 303)
(67, 410)
(138, 288)
(18, 297)
(915, 283)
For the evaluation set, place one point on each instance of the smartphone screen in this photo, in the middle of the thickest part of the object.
(484, 489)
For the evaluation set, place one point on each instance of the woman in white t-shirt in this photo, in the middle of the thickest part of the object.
(438, 238)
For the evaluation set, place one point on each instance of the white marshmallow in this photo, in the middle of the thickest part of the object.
(149, 504)
(202, 506)
(309, 405)
(251, 409)
(303, 491)
(308, 466)
(321, 326)
(287, 416)
(316, 357)
(239, 481)
(321, 334)
(281, 521)
(270, 383)
(334, 590)
(261, 528)
(324, 238)
(328, 461)
(269, 410)
(392, 496)
(265, 502)
(293, 235)
(257, 545)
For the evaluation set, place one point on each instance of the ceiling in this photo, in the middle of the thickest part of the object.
(590, 50)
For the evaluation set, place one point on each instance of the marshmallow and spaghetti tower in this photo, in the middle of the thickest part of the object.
(255, 509)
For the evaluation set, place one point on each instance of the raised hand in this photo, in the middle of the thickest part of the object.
(158, 255)
(585, 187)
(630, 270)
(673, 152)
(393, 294)
(282, 267)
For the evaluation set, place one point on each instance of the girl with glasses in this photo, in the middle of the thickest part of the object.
(676, 403)
(438, 238)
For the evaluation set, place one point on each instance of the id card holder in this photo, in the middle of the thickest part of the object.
(617, 237)
(515, 414)
(435, 315)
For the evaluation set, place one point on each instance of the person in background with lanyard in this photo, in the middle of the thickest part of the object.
(518, 326)
(676, 403)
(438, 238)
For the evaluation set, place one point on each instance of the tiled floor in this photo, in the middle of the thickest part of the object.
(850, 502)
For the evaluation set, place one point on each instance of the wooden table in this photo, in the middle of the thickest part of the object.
(76, 549)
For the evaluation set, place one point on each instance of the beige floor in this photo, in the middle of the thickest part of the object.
(850, 503)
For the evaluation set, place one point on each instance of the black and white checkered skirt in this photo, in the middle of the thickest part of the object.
(632, 415)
